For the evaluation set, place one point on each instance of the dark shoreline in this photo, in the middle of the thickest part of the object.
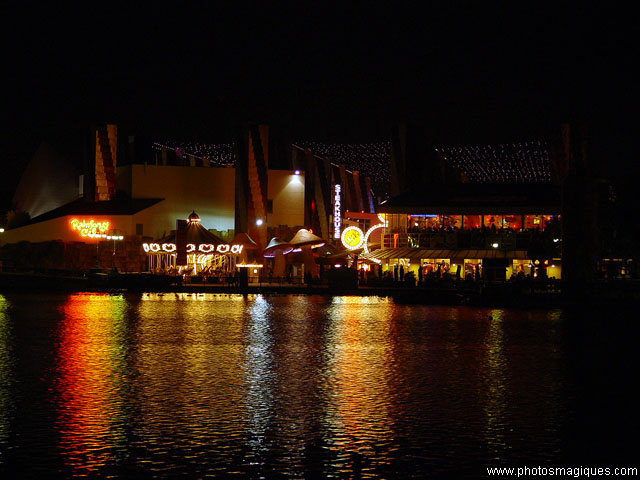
(489, 295)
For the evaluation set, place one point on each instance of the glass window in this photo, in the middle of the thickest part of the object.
(473, 268)
(493, 221)
(513, 221)
(452, 221)
(424, 222)
(471, 221)
(536, 221)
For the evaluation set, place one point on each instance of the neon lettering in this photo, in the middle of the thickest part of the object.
(89, 228)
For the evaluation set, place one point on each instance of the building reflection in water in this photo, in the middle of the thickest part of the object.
(297, 385)
(259, 379)
(190, 355)
(285, 385)
(6, 377)
(522, 385)
(360, 403)
(90, 375)
(495, 388)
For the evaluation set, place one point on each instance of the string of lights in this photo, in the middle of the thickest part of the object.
(527, 162)
(217, 154)
(369, 159)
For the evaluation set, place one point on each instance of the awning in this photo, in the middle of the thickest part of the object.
(418, 253)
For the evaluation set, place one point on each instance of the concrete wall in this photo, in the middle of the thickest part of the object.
(208, 191)
(286, 190)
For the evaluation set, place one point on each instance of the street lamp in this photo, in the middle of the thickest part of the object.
(115, 236)
(97, 236)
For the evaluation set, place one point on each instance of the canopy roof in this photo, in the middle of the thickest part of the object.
(245, 240)
(276, 244)
(304, 237)
(196, 234)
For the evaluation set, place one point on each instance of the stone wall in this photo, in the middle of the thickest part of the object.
(74, 256)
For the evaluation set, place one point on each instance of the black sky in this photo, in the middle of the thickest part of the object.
(341, 72)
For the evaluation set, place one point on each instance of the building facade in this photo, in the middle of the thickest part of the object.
(141, 198)
(487, 212)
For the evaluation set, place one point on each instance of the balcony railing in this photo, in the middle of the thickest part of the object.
(468, 239)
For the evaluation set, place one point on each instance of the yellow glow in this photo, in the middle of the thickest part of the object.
(204, 248)
(89, 228)
(360, 345)
(91, 366)
(366, 237)
(204, 258)
(352, 238)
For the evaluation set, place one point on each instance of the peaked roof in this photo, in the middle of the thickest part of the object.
(305, 237)
(196, 234)
(245, 240)
(277, 244)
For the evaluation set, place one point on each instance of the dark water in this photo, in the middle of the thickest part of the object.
(306, 387)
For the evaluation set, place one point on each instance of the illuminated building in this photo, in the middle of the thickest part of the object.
(138, 191)
(487, 212)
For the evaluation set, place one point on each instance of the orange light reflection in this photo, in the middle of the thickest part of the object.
(360, 354)
(90, 362)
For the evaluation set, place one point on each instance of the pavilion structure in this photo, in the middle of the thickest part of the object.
(205, 253)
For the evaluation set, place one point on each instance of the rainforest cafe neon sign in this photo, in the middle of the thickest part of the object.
(90, 228)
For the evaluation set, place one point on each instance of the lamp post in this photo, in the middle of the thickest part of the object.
(98, 236)
(115, 236)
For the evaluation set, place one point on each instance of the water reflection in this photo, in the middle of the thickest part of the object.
(6, 376)
(496, 393)
(360, 402)
(260, 379)
(190, 356)
(91, 365)
(268, 386)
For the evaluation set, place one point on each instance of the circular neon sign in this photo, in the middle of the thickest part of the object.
(366, 237)
(352, 238)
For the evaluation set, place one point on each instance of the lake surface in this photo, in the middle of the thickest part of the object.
(304, 386)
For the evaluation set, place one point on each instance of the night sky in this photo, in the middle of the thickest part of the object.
(332, 72)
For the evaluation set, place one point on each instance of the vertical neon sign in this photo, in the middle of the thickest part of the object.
(337, 219)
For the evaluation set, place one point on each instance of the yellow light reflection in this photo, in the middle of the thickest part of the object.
(496, 384)
(6, 379)
(90, 364)
(297, 361)
(259, 376)
(190, 348)
(360, 357)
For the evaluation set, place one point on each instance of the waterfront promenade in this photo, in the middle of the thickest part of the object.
(503, 294)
